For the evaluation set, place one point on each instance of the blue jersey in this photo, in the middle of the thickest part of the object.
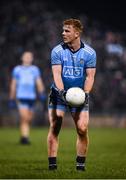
(74, 64)
(26, 81)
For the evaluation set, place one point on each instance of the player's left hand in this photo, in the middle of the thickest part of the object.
(43, 97)
(12, 104)
(86, 102)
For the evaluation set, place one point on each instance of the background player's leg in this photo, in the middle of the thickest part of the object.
(26, 117)
(81, 121)
(55, 119)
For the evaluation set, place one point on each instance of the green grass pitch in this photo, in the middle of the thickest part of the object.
(106, 156)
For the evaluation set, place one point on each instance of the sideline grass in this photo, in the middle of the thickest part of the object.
(106, 157)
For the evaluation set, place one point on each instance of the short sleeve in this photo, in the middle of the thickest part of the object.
(15, 73)
(55, 58)
(37, 72)
(91, 62)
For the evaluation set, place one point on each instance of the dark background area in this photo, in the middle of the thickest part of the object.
(110, 13)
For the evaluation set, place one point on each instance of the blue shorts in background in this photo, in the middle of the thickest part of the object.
(26, 103)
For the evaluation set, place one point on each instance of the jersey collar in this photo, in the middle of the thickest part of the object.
(65, 46)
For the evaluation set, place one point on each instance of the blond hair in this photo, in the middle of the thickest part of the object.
(76, 23)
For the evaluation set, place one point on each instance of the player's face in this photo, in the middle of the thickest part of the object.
(69, 34)
(27, 58)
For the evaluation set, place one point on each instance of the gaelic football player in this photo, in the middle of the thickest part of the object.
(73, 65)
(26, 78)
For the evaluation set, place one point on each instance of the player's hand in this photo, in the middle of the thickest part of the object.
(62, 94)
(86, 102)
(43, 97)
(12, 104)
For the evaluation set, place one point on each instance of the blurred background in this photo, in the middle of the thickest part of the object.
(37, 25)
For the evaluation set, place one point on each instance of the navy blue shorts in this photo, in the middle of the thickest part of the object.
(26, 103)
(55, 102)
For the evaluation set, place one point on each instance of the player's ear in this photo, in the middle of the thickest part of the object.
(77, 34)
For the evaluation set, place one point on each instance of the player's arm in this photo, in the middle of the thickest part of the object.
(40, 85)
(41, 89)
(57, 74)
(90, 74)
(12, 89)
(12, 95)
(57, 70)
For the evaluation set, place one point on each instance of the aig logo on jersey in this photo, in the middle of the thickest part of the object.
(75, 72)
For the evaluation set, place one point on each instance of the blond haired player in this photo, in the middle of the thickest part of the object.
(73, 65)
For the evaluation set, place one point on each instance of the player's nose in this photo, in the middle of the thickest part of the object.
(63, 33)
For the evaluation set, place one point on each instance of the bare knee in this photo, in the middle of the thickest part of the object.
(26, 116)
(56, 125)
(82, 131)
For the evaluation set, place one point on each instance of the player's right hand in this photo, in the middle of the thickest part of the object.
(86, 99)
(12, 103)
(62, 94)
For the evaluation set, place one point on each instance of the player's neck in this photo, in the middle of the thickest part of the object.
(24, 64)
(75, 45)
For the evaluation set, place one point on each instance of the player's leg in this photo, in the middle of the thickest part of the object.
(26, 113)
(26, 117)
(55, 120)
(56, 111)
(81, 120)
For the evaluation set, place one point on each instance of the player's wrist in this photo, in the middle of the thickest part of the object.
(62, 94)
(12, 99)
(87, 97)
(87, 94)
(59, 89)
(62, 91)
(86, 91)
(12, 103)
(42, 96)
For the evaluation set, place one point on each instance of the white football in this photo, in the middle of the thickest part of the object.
(75, 96)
